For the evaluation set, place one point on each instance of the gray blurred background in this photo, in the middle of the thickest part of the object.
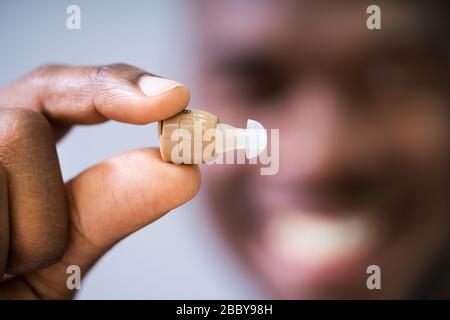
(180, 255)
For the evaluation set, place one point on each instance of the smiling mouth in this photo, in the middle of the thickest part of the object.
(302, 234)
(306, 237)
(297, 250)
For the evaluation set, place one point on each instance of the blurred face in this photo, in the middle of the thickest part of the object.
(363, 119)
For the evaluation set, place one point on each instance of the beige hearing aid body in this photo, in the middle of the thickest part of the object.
(197, 136)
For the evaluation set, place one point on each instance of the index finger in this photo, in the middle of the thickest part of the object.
(86, 95)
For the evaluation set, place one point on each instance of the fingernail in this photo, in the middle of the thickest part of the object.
(153, 86)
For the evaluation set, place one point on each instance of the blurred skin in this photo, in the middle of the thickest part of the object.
(364, 162)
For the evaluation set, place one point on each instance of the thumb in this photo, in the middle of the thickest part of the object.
(110, 201)
(93, 94)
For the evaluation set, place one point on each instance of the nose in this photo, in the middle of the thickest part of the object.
(324, 140)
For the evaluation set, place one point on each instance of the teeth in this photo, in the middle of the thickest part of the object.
(296, 236)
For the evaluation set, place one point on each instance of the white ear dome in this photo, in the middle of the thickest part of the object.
(256, 139)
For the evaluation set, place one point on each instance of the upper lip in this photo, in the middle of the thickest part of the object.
(319, 199)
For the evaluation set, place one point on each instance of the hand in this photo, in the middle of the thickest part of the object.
(46, 225)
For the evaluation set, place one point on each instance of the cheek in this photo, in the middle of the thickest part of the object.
(214, 175)
(421, 137)
(222, 177)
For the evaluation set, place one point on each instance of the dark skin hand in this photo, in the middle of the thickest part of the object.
(46, 224)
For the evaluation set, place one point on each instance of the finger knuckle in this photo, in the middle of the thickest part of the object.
(21, 125)
(37, 254)
(99, 73)
(109, 70)
(22, 118)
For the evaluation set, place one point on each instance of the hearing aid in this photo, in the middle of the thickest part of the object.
(196, 137)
